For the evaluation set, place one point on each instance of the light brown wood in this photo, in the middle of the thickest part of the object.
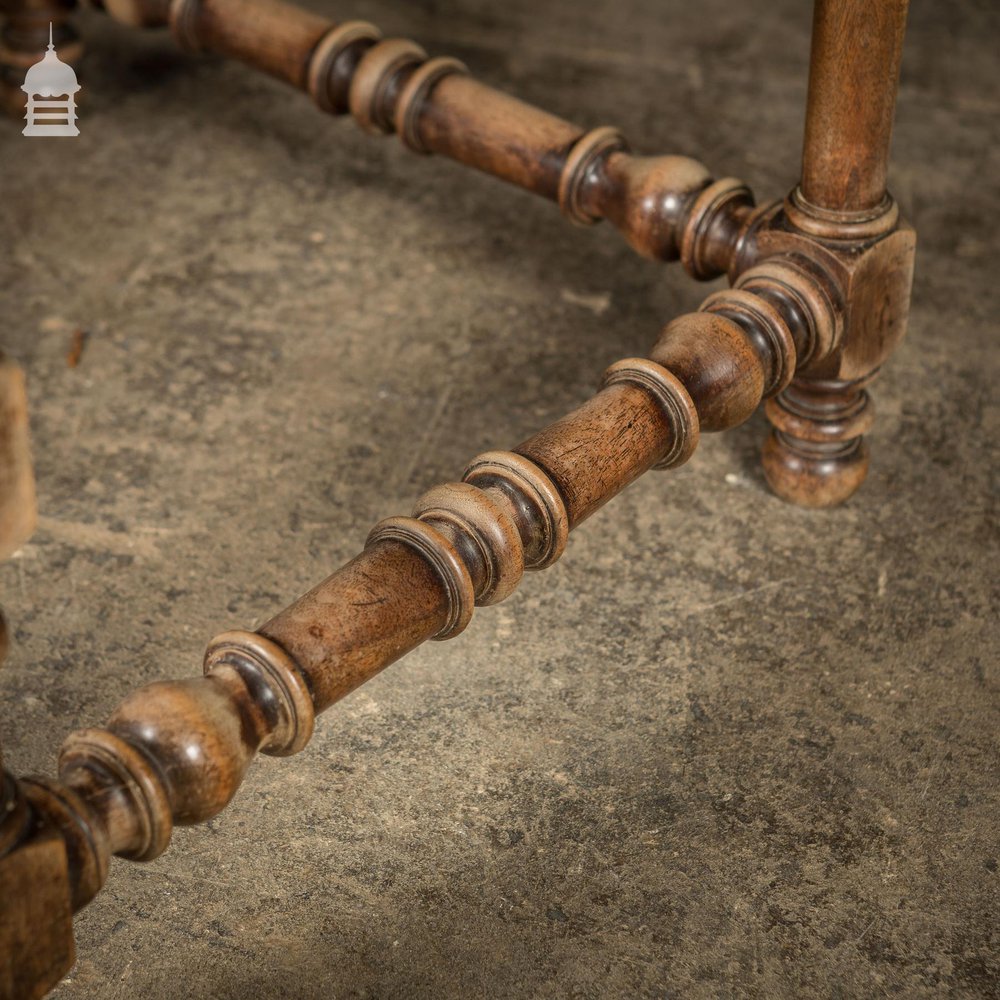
(17, 482)
(176, 752)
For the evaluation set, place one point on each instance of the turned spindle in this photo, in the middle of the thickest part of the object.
(819, 299)
(839, 227)
(176, 752)
(668, 208)
(468, 543)
(274, 37)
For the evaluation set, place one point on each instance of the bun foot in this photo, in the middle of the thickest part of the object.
(816, 456)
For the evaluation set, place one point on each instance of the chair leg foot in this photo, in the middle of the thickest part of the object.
(816, 455)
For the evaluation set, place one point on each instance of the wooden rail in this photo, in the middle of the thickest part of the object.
(820, 289)
(667, 207)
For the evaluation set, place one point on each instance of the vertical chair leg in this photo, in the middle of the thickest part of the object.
(816, 456)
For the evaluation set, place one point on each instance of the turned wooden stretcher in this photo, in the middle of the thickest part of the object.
(820, 286)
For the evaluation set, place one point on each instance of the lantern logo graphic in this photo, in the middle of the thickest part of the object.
(55, 83)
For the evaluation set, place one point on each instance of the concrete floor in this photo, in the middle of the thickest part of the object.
(724, 748)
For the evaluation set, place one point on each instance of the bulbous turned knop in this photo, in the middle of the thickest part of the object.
(195, 734)
(652, 195)
(715, 361)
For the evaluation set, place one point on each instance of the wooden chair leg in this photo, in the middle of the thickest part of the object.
(817, 456)
(820, 294)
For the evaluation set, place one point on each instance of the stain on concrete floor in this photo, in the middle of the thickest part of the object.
(724, 748)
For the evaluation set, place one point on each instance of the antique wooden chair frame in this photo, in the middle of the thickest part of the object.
(820, 287)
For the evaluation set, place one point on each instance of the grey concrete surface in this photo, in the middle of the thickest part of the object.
(724, 748)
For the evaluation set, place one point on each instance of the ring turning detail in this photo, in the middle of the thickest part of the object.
(818, 300)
